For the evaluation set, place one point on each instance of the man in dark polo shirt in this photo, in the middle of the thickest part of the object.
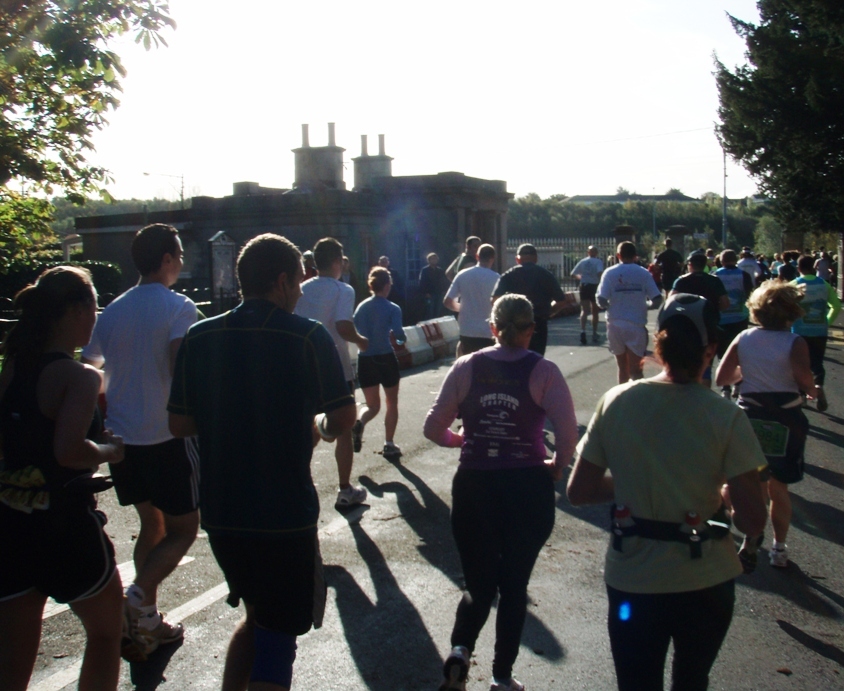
(250, 384)
(671, 262)
(539, 286)
(709, 286)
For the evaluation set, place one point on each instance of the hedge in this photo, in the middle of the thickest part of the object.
(107, 276)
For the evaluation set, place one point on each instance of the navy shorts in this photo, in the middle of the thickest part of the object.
(280, 577)
(62, 552)
(166, 475)
(378, 370)
(588, 292)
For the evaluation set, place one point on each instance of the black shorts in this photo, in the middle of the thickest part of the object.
(166, 475)
(472, 344)
(588, 291)
(781, 433)
(375, 370)
(62, 552)
(281, 578)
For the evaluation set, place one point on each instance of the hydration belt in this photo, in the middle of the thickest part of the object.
(716, 527)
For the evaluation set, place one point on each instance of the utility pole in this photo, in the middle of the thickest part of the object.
(724, 202)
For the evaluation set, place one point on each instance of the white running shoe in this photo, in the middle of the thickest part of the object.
(779, 557)
(456, 669)
(512, 685)
(351, 496)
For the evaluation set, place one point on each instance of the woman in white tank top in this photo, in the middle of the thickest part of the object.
(773, 366)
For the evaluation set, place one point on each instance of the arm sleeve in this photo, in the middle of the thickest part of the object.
(742, 452)
(332, 390)
(452, 392)
(554, 288)
(549, 389)
(396, 325)
(578, 269)
(185, 318)
(590, 445)
(345, 307)
(180, 400)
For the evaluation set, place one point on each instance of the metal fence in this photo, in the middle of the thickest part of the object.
(559, 255)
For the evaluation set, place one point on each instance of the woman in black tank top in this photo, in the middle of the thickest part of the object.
(51, 536)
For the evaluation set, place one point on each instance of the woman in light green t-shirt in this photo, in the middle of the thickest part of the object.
(669, 444)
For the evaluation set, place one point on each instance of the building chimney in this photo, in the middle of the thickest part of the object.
(363, 151)
(381, 149)
(319, 167)
(331, 141)
(368, 168)
(305, 143)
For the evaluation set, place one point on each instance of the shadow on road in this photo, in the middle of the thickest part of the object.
(830, 477)
(827, 650)
(149, 675)
(794, 584)
(820, 520)
(387, 638)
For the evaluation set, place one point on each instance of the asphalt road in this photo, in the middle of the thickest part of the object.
(394, 576)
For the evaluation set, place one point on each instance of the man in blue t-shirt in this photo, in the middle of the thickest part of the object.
(257, 385)
(735, 318)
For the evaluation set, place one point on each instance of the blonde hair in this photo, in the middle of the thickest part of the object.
(512, 314)
(774, 304)
(379, 277)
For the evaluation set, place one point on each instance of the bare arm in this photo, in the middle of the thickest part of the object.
(73, 418)
(174, 349)
(800, 367)
(729, 371)
(349, 333)
(749, 512)
(451, 303)
(589, 484)
(556, 307)
(723, 302)
(182, 426)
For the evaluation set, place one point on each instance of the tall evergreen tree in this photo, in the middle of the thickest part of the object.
(782, 114)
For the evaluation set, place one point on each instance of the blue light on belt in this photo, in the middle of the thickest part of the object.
(624, 611)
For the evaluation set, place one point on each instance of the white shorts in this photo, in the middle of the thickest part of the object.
(623, 335)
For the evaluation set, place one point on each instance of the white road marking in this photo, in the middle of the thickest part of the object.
(70, 675)
(127, 575)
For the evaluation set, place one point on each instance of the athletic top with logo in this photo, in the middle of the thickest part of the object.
(132, 337)
(820, 305)
(503, 426)
(253, 379)
(474, 287)
(589, 269)
(627, 287)
(329, 301)
(739, 285)
(765, 360)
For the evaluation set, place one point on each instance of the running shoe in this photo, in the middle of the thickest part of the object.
(139, 643)
(596, 338)
(779, 557)
(391, 451)
(350, 496)
(456, 670)
(357, 435)
(726, 392)
(582, 338)
(512, 685)
(822, 403)
(748, 556)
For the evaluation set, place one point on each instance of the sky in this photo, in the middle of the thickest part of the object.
(553, 97)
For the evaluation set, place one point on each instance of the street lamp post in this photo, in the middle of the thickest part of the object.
(181, 185)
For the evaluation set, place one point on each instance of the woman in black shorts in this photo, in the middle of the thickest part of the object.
(51, 536)
(377, 318)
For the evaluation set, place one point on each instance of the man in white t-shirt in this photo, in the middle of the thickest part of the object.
(588, 271)
(135, 341)
(749, 265)
(330, 301)
(469, 295)
(624, 292)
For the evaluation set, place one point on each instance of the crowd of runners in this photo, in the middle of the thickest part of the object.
(223, 414)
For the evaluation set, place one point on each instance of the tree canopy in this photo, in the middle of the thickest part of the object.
(58, 80)
(781, 114)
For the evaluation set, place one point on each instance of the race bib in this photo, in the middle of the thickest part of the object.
(772, 436)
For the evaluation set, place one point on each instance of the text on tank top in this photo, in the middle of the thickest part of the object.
(503, 426)
(815, 306)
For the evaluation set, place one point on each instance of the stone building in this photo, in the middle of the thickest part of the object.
(403, 217)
